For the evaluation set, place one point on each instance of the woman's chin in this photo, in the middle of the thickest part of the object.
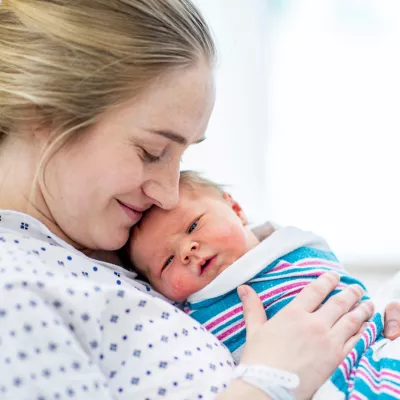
(113, 241)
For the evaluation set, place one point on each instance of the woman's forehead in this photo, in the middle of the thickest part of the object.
(181, 101)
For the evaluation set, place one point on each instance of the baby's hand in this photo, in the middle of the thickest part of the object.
(392, 321)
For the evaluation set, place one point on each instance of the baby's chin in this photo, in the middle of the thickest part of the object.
(222, 268)
(176, 294)
(177, 297)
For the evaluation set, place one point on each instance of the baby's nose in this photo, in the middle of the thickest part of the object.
(189, 251)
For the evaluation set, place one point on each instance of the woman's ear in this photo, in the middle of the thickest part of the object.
(236, 208)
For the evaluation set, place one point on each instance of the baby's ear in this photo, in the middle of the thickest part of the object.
(236, 208)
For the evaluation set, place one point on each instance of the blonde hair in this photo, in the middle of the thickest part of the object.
(67, 61)
(194, 180)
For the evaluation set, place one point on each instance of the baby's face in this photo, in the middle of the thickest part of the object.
(182, 250)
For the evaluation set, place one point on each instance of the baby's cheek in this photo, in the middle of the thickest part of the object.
(182, 286)
(233, 239)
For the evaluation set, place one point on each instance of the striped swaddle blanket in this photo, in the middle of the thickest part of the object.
(278, 269)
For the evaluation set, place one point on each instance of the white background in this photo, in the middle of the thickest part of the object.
(306, 127)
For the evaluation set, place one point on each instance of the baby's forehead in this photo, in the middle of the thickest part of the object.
(196, 190)
(157, 219)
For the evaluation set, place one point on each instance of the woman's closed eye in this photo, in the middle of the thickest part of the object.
(149, 158)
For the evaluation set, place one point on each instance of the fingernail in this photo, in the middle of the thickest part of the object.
(242, 292)
(369, 305)
(392, 327)
(358, 288)
(364, 326)
(331, 275)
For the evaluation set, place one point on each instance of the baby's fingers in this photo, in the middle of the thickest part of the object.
(392, 321)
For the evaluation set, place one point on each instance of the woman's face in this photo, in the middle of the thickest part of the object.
(97, 187)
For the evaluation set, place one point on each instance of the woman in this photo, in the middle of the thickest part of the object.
(99, 99)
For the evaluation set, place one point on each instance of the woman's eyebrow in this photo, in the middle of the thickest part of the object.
(175, 137)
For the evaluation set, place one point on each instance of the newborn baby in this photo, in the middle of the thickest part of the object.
(202, 250)
(182, 250)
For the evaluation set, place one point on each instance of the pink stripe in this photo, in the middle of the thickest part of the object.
(295, 288)
(264, 297)
(282, 289)
(291, 294)
(314, 274)
(355, 397)
(280, 266)
(346, 370)
(345, 366)
(238, 309)
(370, 368)
(373, 327)
(230, 331)
(234, 328)
(312, 262)
(224, 317)
(303, 274)
(368, 379)
(367, 339)
(390, 388)
(353, 355)
(393, 374)
(321, 262)
(386, 386)
(351, 381)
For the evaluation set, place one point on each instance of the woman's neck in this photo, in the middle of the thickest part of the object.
(18, 166)
(18, 192)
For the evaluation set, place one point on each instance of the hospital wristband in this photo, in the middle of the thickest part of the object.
(276, 383)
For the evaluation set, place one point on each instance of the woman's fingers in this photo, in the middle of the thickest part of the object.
(349, 325)
(350, 344)
(340, 303)
(392, 321)
(253, 310)
(311, 297)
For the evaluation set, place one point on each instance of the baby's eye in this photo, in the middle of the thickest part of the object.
(193, 226)
(169, 261)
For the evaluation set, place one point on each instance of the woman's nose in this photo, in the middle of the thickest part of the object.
(166, 198)
(163, 188)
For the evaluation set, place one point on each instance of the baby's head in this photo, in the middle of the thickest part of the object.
(182, 250)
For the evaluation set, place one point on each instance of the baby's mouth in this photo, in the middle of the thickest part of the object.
(206, 264)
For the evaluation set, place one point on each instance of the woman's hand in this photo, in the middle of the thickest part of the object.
(305, 338)
(392, 321)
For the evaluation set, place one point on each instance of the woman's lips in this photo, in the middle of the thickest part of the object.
(133, 214)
